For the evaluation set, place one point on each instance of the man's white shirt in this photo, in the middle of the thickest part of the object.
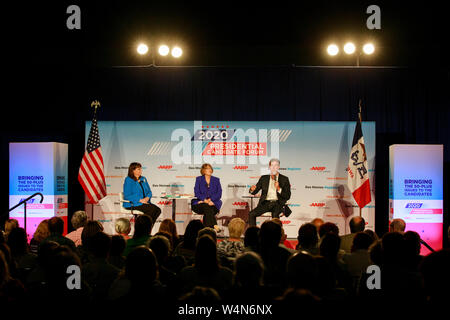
(272, 192)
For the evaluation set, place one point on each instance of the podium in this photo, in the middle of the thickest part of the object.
(38, 167)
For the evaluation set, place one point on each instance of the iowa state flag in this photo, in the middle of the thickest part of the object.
(358, 173)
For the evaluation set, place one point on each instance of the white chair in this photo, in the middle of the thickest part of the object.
(264, 215)
(126, 211)
(269, 214)
(195, 216)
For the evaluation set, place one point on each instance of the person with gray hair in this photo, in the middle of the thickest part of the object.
(397, 225)
(123, 227)
(79, 220)
(276, 190)
(230, 248)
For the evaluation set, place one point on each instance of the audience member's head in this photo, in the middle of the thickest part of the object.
(122, 226)
(326, 277)
(206, 255)
(361, 241)
(209, 231)
(357, 224)
(100, 245)
(79, 219)
(168, 236)
(307, 236)
(191, 233)
(45, 252)
(6, 251)
(376, 254)
(393, 246)
(302, 271)
(4, 271)
(118, 245)
(18, 242)
(251, 238)
(142, 226)
(269, 235)
(328, 227)
(56, 225)
(283, 234)
(397, 225)
(434, 269)
(293, 298)
(248, 270)
(372, 234)
(236, 228)
(42, 231)
(141, 267)
(412, 245)
(90, 229)
(62, 257)
(9, 225)
(201, 295)
(329, 247)
(448, 235)
(317, 222)
(168, 225)
(160, 246)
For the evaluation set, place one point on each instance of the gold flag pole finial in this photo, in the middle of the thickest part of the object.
(95, 104)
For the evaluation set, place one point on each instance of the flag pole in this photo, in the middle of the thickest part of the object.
(360, 120)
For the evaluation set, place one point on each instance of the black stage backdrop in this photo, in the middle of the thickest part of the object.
(408, 105)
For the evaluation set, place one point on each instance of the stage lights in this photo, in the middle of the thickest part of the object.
(176, 52)
(163, 50)
(368, 48)
(142, 48)
(333, 49)
(350, 48)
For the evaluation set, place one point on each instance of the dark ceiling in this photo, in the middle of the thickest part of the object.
(226, 32)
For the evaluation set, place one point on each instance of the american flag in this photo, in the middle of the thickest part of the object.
(91, 175)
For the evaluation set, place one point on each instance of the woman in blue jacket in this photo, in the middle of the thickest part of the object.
(137, 190)
(208, 193)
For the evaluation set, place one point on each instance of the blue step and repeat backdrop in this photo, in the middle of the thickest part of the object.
(314, 155)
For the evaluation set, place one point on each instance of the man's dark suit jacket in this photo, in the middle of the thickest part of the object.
(263, 184)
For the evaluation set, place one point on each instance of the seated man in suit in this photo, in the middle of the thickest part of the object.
(276, 190)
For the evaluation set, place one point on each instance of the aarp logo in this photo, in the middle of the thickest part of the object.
(165, 203)
(317, 169)
(317, 204)
(165, 167)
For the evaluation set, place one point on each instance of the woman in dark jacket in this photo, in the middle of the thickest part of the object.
(208, 192)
